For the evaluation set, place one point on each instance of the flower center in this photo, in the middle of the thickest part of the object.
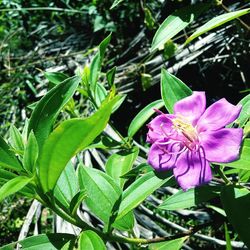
(186, 129)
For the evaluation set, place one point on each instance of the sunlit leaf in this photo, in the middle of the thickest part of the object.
(13, 186)
(103, 197)
(31, 153)
(143, 116)
(69, 138)
(43, 241)
(102, 192)
(192, 197)
(7, 157)
(216, 22)
(16, 139)
(95, 66)
(67, 186)
(172, 90)
(47, 109)
(119, 163)
(175, 23)
(55, 77)
(76, 201)
(218, 210)
(89, 240)
(139, 190)
(101, 94)
(168, 245)
(115, 3)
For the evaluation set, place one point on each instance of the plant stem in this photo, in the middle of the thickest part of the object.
(222, 175)
(122, 138)
(141, 241)
(115, 238)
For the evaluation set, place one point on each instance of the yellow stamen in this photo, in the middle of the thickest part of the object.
(184, 127)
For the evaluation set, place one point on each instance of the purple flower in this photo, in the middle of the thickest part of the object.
(193, 136)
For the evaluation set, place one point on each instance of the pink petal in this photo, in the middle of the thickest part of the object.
(222, 145)
(218, 115)
(158, 127)
(191, 107)
(192, 170)
(163, 157)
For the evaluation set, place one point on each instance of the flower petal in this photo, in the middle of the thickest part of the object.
(158, 127)
(222, 145)
(192, 170)
(191, 107)
(218, 115)
(163, 157)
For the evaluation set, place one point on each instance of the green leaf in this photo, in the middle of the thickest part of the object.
(244, 160)
(43, 241)
(126, 223)
(76, 201)
(69, 138)
(142, 168)
(16, 139)
(244, 175)
(245, 111)
(13, 186)
(25, 131)
(175, 23)
(55, 77)
(247, 129)
(149, 20)
(30, 154)
(120, 163)
(168, 245)
(102, 192)
(139, 190)
(47, 109)
(115, 3)
(218, 210)
(7, 157)
(236, 203)
(99, 23)
(103, 197)
(216, 22)
(95, 66)
(110, 75)
(190, 198)
(6, 175)
(119, 103)
(104, 142)
(228, 240)
(172, 90)
(101, 94)
(67, 186)
(89, 240)
(169, 49)
(146, 81)
(143, 116)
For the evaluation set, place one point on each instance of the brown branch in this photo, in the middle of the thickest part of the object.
(188, 233)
